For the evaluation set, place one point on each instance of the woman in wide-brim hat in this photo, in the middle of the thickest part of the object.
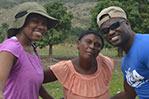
(21, 73)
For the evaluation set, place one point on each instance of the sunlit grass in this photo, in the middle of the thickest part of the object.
(116, 84)
(55, 89)
(60, 50)
(71, 50)
(109, 52)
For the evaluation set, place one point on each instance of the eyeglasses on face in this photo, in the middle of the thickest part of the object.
(112, 27)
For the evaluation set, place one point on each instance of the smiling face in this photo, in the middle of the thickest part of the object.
(120, 34)
(89, 46)
(34, 28)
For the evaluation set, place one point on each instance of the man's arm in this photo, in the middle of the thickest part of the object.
(128, 93)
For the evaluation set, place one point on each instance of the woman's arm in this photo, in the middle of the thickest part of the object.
(49, 75)
(44, 94)
(6, 62)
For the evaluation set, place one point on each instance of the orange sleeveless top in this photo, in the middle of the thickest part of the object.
(79, 86)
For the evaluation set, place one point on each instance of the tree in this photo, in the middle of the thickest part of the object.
(59, 33)
(3, 30)
(137, 13)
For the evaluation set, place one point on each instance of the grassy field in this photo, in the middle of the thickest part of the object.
(71, 50)
(55, 88)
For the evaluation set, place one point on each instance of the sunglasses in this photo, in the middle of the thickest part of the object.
(112, 27)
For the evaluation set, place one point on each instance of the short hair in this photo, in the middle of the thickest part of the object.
(91, 31)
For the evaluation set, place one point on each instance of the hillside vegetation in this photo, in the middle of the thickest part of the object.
(79, 8)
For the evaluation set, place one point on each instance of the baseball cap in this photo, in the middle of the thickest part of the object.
(24, 10)
(110, 12)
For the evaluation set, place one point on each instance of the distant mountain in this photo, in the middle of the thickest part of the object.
(12, 3)
(81, 11)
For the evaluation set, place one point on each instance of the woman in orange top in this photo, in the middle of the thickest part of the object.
(86, 76)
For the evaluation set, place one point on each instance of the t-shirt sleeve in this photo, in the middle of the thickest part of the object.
(107, 67)
(12, 46)
(108, 61)
(62, 72)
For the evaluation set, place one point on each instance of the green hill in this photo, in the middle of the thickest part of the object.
(80, 10)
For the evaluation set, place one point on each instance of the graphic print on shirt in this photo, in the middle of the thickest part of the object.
(134, 79)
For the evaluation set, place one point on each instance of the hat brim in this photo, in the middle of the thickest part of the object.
(14, 27)
(51, 21)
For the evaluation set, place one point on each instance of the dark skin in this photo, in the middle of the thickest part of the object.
(5, 69)
(84, 67)
(128, 93)
(122, 37)
(33, 30)
(89, 47)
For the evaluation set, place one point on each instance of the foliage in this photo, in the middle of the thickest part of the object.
(136, 10)
(59, 33)
(75, 31)
(79, 1)
(12, 3)
(7, 4)
(3, 30)
(71, 39)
